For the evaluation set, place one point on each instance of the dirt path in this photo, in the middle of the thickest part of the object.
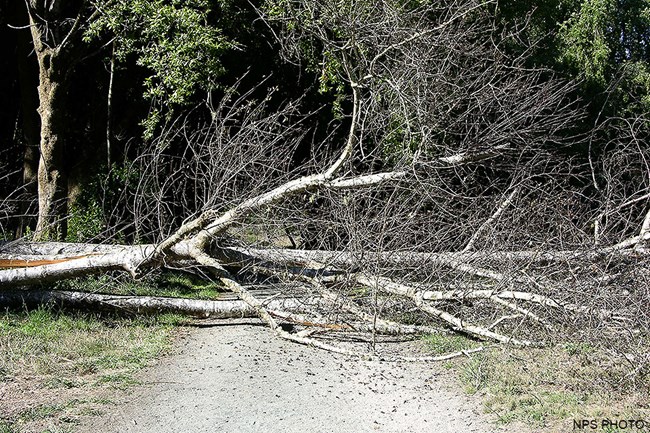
(243, 379)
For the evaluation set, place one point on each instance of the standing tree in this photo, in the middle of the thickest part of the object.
(172, 40)
(56, 33)
(604, 43)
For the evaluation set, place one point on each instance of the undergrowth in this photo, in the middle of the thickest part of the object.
(442, 344)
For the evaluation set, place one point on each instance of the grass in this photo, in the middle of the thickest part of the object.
(546, 389)
(61, 354)
(58, 366)
(46, 411)
(47, 342)
(48, 358)
(442, 344)
(6, 427)
(168, 284)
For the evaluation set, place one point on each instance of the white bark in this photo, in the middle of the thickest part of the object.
(218, 309)
(128, 260)
(644, 234)
(467, 157)
(212, 224)
(413, 293)
(502, 207)
(452, 258)
(535, 298)
(378, 324)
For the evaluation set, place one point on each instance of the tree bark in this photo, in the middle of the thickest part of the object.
(52, 177)
(217, 309)
(54, 46)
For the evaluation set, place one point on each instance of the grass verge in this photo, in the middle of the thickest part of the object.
(546, 390)
(56, 367)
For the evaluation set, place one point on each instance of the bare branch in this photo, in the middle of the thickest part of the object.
(416, 295)
(503, 206)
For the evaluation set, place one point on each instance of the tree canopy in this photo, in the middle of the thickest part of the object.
(602, 43)
(176, 43)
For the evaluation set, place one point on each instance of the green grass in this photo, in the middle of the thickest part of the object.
(118, 380)
(45, 411)
(81, 351)
(442, 344)
(6, 427)
(63, 382)
(549, 387)
(64, 346)
(168, 284)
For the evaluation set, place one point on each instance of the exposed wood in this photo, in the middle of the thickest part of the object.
(91, 264)
(109, 108)
(28, 263)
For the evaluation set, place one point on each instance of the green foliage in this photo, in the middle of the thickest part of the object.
(329, 74)
(330, 81)
(603, 43)
(585, 40)
(606, 42)
(173, 39)
(574, 349)
(85, 222)
(98, 210)
(300, 24)
(399, 140)
(170, 284)
(86, 215)
(632, 94)
(6, 427)
(45, 411)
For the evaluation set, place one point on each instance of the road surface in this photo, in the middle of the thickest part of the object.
(241, 378)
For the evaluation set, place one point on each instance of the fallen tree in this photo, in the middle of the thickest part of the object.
(451, 201)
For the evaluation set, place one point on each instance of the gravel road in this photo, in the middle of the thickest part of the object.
(243, 379)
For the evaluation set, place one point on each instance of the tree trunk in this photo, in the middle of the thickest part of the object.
(215, 309)
(52, 176)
